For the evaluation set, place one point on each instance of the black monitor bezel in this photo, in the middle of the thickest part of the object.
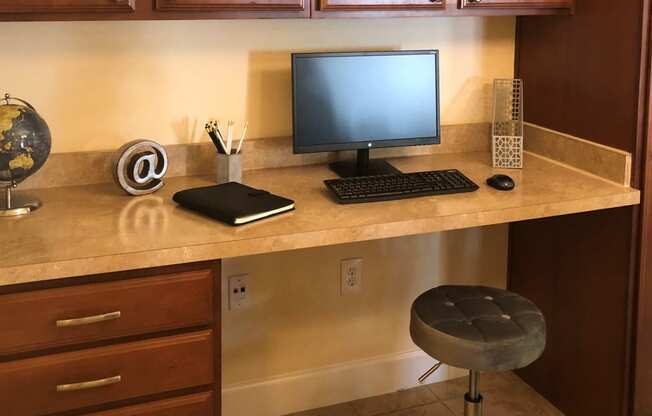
(376, 143)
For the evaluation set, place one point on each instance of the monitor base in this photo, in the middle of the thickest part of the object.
(350, 168)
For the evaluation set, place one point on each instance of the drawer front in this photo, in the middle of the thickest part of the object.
(226, 5)
(200, 404)
(67, 6)
(515, 4)
(67, 381)
(57, 317)
(334, 5)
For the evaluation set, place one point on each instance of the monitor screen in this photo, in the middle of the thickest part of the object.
(365, 99)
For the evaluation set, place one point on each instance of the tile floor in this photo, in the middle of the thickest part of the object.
(504, 395)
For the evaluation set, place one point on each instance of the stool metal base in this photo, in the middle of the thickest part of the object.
(428, 373)
(472, 407)
(473, 399)
(13, 205)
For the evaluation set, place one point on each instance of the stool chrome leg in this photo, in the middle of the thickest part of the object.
(473, 385)
(473, 399)
(428, 373)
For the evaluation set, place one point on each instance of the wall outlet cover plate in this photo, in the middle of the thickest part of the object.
(238, 291)
(351, 276)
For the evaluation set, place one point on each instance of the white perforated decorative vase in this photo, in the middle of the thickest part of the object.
(507, 128)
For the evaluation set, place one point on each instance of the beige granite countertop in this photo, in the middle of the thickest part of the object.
(93, 229)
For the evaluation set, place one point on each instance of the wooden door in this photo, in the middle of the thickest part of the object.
(344, 5)
(229, 5)
(642, 377)
(517, 4)
(642, 371)
(67, 6)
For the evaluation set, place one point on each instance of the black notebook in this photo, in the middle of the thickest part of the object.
(233, 202)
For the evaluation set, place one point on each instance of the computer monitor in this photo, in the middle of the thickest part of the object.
(364, 100)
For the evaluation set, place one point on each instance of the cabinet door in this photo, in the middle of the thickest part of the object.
(517, 4)
(66, 6)
(229, 5)
(381, 4)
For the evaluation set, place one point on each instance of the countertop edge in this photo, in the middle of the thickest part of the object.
(31, 273)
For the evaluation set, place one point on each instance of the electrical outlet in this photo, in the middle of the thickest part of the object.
(238, 291)
(351, 276)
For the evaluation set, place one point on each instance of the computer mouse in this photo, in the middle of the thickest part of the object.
(501, 182)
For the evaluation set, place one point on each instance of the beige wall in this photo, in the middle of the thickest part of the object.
(298, 319)
(100, 84)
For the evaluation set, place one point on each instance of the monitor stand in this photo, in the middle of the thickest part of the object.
(362, 166)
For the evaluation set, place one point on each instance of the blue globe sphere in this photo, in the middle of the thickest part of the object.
(25, 141)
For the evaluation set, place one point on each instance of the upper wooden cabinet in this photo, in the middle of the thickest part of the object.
(517, 4)
(27, 10)
(397, 8)
(344, 5)
(225, 5)
(66, 6)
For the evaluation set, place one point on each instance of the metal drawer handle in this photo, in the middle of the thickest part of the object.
(89, 384)
(89, 319)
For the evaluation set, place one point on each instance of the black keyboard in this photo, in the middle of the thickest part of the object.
(399, 186)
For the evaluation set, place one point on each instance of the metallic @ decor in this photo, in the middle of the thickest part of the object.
(139, 167)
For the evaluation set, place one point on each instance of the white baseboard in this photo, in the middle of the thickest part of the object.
(330, 385)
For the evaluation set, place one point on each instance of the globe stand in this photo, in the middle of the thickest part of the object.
(14, 205)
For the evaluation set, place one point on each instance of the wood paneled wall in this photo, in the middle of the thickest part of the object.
(585, 75)
(581, 72)
(575, 268)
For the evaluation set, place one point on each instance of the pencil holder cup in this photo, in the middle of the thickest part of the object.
(229, 168)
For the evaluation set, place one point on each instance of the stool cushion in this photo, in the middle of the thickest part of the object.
(478, 328)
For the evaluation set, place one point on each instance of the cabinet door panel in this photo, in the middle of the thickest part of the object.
(67, 6)
(98, 311)
(74, 380)
(381, 4)
(226, 5)
(516, 4)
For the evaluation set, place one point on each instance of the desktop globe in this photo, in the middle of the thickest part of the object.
(25, 144)
(25, 141)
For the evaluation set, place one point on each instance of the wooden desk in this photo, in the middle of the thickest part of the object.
(97, 229)
(90, 251)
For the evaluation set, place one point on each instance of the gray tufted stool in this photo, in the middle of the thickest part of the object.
(479, 329)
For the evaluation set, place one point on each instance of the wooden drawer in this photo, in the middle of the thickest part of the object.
(334, 5)
(49, 384)
(49, 318)
(66, 6)
(225, 5)
(515, 4)
(200, 404)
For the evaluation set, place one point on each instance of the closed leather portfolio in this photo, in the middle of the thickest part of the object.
(233, 203)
